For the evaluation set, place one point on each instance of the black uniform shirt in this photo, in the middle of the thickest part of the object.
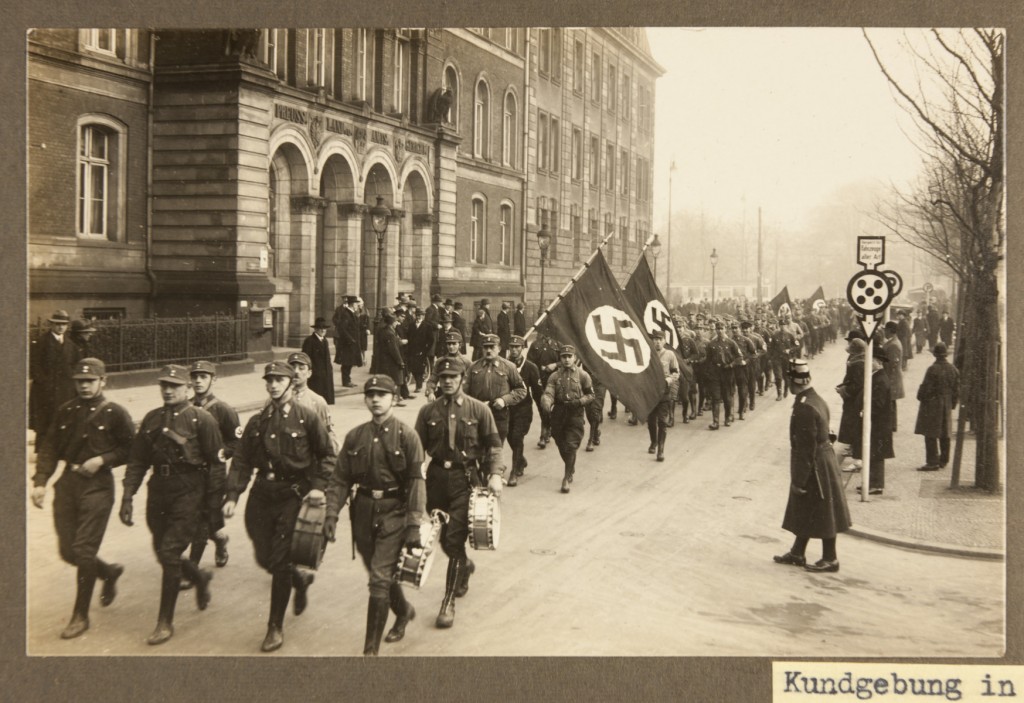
(79, 433)
(475, 433)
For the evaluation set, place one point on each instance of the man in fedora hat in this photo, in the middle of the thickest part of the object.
(92, 435)
(434, 316)
(382, 463)
(50, 361)
(482, 325)
(182, 444)
(347, 350)
(817, 507)
(939, 394)
(81, 335)
(289, 447)
(504, 328)
(318, 349)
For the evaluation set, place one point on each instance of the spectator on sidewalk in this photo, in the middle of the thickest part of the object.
(817, 506)
(905, 340)
(81, 335)
(851, 391)
(880, 447)
(939, 396)
(50, 361)
(894, 365)
(387, 352)
(920, 329)
(348, 351)
(317, 348)
(933, 326)
(946, 327)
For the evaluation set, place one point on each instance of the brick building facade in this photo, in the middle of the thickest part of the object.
(203, 171)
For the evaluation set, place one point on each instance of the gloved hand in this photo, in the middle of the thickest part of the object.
(330, 527)
(126, 512)
(412, 537)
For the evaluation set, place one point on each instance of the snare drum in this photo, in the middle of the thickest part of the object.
(414, 566)
(484, 519)
(308, 543)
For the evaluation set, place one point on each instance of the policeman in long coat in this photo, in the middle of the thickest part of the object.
(939, 395)
(817, 507)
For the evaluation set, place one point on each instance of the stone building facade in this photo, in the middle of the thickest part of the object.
(214, 171)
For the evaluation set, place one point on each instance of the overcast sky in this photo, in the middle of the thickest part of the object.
(778, 118)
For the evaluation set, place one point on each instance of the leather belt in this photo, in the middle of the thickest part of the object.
(449, 464)
(378, 494)
(174, 469)
(279, 478)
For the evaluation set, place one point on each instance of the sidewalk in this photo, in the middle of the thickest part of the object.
(917, 511)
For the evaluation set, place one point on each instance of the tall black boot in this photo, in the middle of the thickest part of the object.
(79, 622)
(201, 579)
(195, 554)
(168, 598)
(467, 570)
(446, 617)
(110, 573)
(280, 592)
(661, 442)
(376, 619)
(301, 580)
(403, 610)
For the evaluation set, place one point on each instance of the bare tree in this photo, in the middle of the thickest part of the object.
(956, 212)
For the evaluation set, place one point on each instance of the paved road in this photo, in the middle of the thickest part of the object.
(640, 559)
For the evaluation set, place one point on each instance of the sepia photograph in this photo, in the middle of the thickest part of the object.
(516, 343)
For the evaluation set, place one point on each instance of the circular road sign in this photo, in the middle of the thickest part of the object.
(869, 292)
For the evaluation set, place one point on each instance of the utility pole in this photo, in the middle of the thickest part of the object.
(760, 252)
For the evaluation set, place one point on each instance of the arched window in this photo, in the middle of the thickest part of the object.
(100, 188)
(507, 234)
(508, 131)
(451, 82)
(480, 121)
(478, 233)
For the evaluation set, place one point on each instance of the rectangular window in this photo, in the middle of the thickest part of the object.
(544, 50)
(595, 79)
(578, 65)
(577, 232)
(595, 162)
(364, 63)
(556, 54)
(316, 55)
(626, 89)
(577, 153)
(553, 225)
(270, 48)
(624, 171)
(556, 145)
(93, 183)
(401, 71)
(542, 141)
(101, 40)
(477, 236)
(613, 81)
(609, 167)
(506, 235)
(595, 229)
(640, 179)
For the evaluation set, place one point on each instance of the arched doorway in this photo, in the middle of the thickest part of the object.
(416, 238)
(337, 253)
(287, 265)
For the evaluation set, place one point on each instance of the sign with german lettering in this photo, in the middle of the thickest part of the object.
(871, 251)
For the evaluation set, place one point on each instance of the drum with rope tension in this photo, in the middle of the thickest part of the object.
(484, 517)
(414, 565)
(308, 543)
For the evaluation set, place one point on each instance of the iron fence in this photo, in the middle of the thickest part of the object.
(132, 344)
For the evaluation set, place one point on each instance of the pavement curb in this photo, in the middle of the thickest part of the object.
(985, 553)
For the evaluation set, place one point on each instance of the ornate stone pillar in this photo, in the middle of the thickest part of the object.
(351, 271)
(424, 273)
(302, 266)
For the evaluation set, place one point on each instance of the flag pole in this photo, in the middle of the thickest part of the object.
(572, 281)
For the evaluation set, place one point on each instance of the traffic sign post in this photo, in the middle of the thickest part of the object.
(869, 293)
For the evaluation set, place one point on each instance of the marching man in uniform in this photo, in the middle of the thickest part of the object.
(521, 414)
(459, 434)
(568, 392)
(657, 421)
(92, 435)
(291, 449)
(495, 381)
(382, 460)
(183, 446)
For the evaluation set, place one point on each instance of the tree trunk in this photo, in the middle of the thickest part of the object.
(988, 380)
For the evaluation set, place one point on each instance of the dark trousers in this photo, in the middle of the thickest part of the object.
(448, 490)
(173, 506)
(81, 510)
(567, 431)
(520, 419)
(936, 451)
(270, 516)
(346, 374)
(379, 530)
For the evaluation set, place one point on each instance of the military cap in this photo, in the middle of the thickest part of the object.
(746, 324)
(489, 340)
(203, 367)
(82, 326)
(89, 367)
(516, 341)
(174, 373)
(278, 368)
(61, 316)
(719, 325)
(657, 334)
(300, 358)
(380, 384)
(436, 298)
(566, 350)
(798, 369)
(450, 366)
(453, 336)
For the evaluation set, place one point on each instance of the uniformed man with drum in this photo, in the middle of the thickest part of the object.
(183, 446)
(291, 449)
(459, 434)
(381, 462)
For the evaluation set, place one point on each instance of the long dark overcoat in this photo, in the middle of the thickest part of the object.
(387, 354)
(851, 390)
(939, 396)
(322, 379)
(348, 351)
(821, 512)
(50, 365)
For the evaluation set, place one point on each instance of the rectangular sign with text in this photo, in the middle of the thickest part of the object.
(871, 251)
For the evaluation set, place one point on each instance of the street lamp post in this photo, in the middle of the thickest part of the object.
(714, 263)
(543, 242)
(655, 247)
(379, 216)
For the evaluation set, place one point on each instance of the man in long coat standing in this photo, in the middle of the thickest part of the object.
(318, 349)
(348, 352)
(817, 507)
(939, 395)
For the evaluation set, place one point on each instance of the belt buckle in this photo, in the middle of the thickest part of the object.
(164, 470)
(377, 495)
(270, 476)
(447, 464)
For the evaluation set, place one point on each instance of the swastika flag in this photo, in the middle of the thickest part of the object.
(781, 302)
(610, 339)
(817, 300)
(643, 294)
